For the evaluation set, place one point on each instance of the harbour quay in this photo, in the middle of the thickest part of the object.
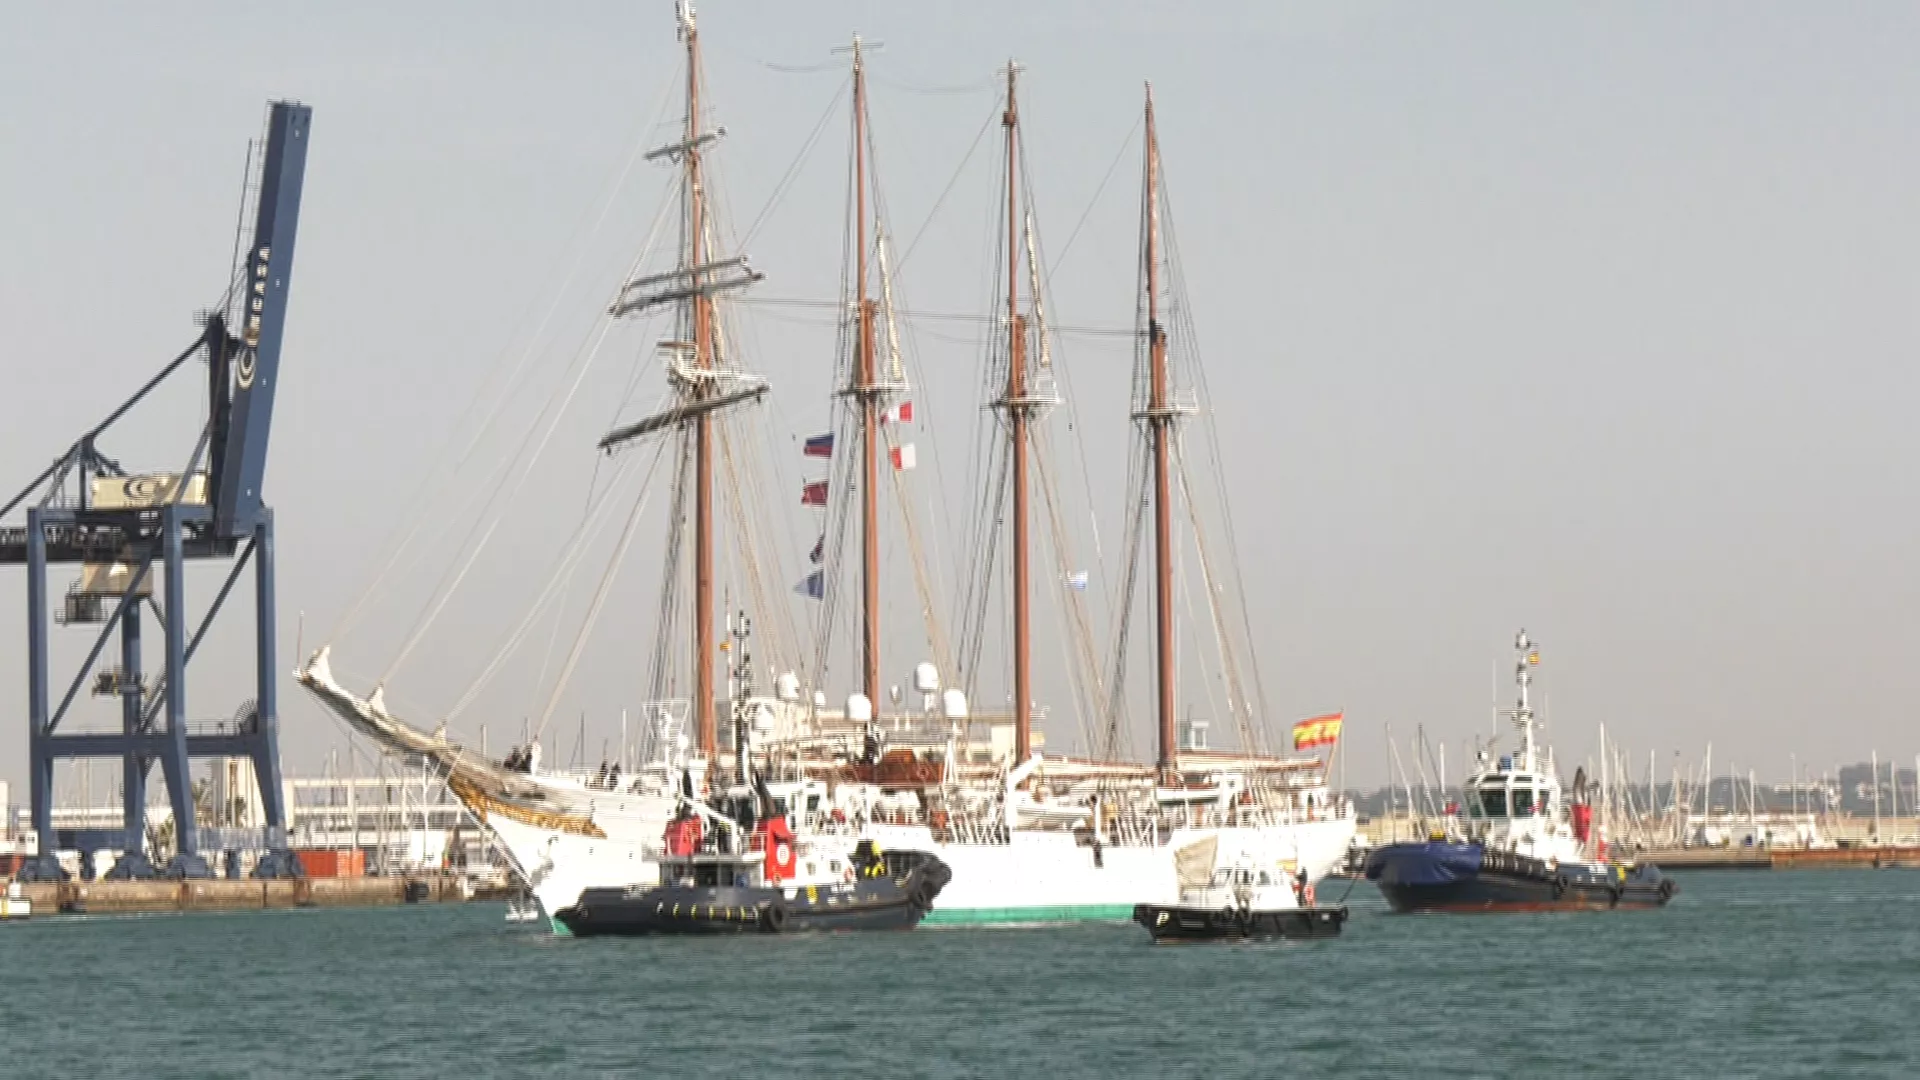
(159, 896)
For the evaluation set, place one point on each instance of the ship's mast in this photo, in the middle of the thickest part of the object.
(866, 391)
(1160, 416)
(1017, 410)
(1523, 711)
(703, 703)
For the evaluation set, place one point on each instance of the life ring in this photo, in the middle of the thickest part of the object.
(848, 876)
(774, 918)
(1306, 895)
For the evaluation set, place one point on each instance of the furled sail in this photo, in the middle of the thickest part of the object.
(1193, 864)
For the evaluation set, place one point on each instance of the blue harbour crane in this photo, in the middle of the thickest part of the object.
(132, 535)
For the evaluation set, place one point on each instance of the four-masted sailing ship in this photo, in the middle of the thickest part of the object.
(1028, 836)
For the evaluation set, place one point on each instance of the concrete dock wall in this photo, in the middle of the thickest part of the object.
(105, 897)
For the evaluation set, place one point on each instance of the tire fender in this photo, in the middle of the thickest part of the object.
(774, 918)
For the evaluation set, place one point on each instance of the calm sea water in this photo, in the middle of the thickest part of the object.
(1747, 974)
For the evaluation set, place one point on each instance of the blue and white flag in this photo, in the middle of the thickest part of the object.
(1077, 580)
(814, 586)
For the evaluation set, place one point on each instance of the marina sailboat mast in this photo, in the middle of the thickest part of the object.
(1159, 417)
(1019, 407)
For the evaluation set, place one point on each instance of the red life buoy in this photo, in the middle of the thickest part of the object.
(778, 841)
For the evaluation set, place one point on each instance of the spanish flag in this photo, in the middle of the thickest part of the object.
(1318, 731)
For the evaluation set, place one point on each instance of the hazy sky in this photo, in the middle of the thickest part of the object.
(1596, 320)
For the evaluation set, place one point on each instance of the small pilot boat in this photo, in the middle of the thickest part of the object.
(1253, 898)
(14, 904)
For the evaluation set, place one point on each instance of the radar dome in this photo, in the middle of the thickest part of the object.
(787, 686)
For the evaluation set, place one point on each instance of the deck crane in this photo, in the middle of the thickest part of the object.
(132, 534)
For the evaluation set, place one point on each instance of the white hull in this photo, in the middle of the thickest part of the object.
(559, 866)
(564, 838)
(1048, 876)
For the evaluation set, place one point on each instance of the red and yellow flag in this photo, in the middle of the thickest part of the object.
(1318, 731)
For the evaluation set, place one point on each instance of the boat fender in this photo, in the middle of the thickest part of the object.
(922, 895)
(1559, 885)
(1306, 895)
(775, 918)
(1613, 894)
(1666, 888)
(848, 875)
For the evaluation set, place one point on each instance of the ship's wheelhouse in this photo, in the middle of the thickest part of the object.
(1504, 794)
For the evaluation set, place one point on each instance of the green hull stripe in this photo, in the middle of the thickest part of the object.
(1062, 913)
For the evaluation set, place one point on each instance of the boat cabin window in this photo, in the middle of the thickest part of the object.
(813, 803)
(1522, 802)
(1494, 801)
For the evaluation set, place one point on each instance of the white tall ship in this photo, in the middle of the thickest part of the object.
(1029, 837)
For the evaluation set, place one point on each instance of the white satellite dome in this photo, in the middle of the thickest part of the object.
(859, 709)
(926, 678)
(953, 704)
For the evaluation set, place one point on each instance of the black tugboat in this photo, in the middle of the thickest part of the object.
(709, 890)
(750, 873)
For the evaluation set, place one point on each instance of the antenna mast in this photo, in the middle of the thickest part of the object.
(1529, 655)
